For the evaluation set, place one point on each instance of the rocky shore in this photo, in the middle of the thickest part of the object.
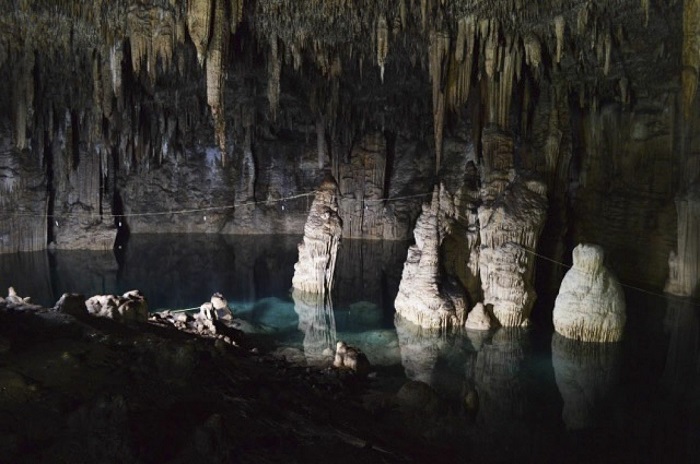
(81, 388)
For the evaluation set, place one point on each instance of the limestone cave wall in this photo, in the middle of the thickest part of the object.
(223, 116)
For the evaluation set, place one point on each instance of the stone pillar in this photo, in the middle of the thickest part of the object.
(511, 218)
(315, 269)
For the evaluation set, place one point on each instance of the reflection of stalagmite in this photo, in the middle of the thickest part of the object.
(317, 322)
(498, 377)
(590, 305)
(314, 271)
(684, 265)
(424, 298)
(419, 350)
(585, 374)
(512, 216)
(682, 363)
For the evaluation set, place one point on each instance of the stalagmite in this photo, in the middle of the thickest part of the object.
(559, 25)
(684, 264)
(511, 217)
(590, 306)
(314, 271)
(382, 44)
(199, 14)
(425, 298)
(691, 53)
(479, 319)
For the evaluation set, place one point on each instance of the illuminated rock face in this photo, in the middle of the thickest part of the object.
(424, 297)
(315, 269)
(590, 306)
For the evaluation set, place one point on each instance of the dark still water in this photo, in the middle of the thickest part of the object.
(511, 395)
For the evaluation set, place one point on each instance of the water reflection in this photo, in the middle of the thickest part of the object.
(317, 323)
(586, 375)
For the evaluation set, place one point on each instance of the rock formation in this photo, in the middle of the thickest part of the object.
(511, 218)
(351, 358)
(425, 298)
(591, 305)
(314, 271)
(586, 375)
(73, 304)
(130, 307)
(684, 264)
(479, 319)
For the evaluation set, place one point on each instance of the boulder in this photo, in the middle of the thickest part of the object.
(73, 304)
(131, 306)
(591, 305)
(351, 358)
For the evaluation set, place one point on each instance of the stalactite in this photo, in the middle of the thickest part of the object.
(533, 53)
(236, 14)
(559, 26)
(461, 64)
(199, 13)
(646, 4)
(691, 53)
(491, 49)
(215, 75)
(274, 69)
(321, 140)
(382, 44)
(607, 46)
(582, 20)
(439, 48)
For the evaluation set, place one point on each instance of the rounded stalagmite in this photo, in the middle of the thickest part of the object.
(590, 306)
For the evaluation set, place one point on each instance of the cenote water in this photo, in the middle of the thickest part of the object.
(507, 395)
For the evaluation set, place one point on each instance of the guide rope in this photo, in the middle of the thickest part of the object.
(631, 287)
(208, 208)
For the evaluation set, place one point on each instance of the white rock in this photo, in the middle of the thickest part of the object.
(314, 271)
(479, 319)
(351, 358)
(424, 297)
(72, 303)
(590, 306)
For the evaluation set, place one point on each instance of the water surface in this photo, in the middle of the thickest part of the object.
(540, 398)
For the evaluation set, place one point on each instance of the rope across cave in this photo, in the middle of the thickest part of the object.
(207, 208)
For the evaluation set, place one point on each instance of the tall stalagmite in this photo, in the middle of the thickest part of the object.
(511, 218)
(425, 297)
(315, 269)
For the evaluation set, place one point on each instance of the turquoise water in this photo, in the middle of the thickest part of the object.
(538, 397)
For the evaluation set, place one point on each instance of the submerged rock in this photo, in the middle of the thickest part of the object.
(590, 306)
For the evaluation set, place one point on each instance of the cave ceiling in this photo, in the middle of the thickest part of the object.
(434, 52)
